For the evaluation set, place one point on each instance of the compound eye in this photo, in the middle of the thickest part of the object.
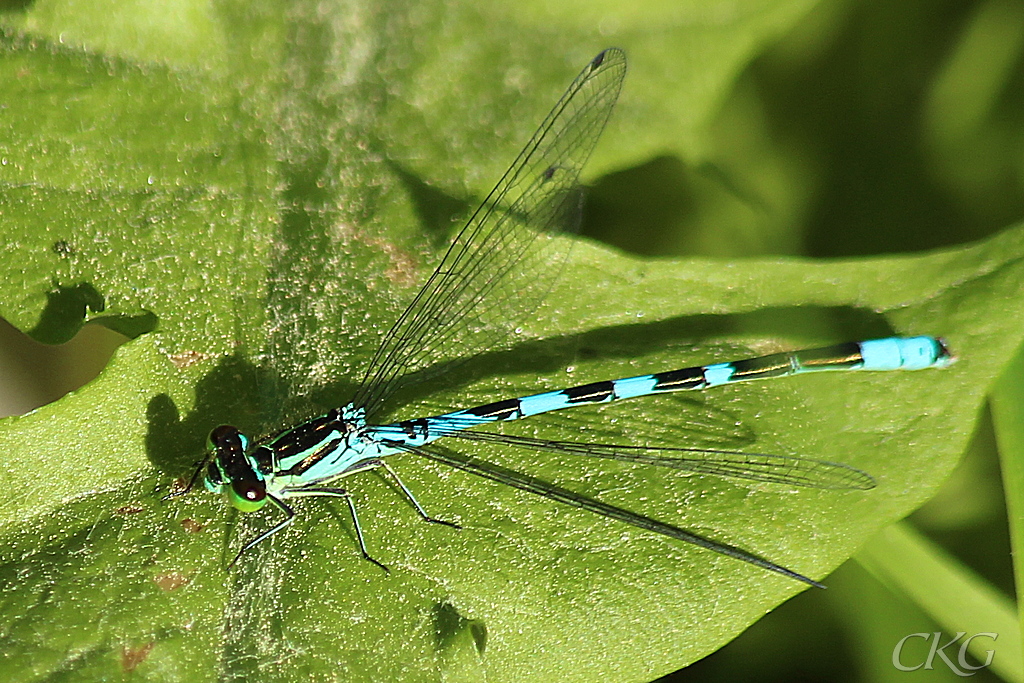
(227, 438)
(247, 495)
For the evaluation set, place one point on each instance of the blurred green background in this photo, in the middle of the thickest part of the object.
(901, 122)
(864, 128)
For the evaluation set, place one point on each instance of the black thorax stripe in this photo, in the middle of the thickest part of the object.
(313, 458)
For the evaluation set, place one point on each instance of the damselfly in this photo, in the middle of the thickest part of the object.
(495, 272)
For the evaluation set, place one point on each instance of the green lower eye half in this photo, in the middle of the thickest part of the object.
(249, 499)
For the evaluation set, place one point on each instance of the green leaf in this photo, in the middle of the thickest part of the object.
(1007, 404)
(271, 199)
(951, 593)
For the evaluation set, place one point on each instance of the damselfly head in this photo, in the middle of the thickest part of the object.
(234, 472)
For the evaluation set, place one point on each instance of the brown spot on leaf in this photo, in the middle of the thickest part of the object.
(191, 525)
(170, 581)
(179, 486)
(131, 657)
(187, 359)
(402, 267)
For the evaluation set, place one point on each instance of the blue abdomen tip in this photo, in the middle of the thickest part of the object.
(904, 353)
